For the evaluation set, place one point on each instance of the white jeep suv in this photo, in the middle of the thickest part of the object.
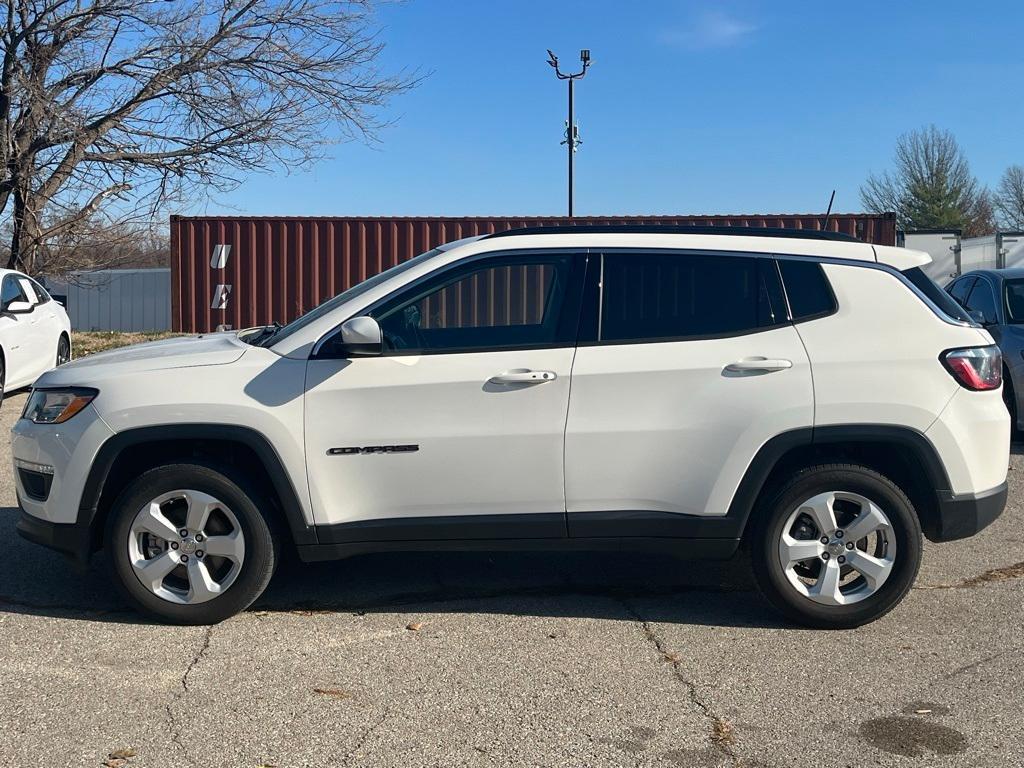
(813, 397)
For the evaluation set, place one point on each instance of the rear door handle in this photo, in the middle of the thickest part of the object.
(759, 364)
(523, 376)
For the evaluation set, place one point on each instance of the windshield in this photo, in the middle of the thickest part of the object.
(1015, 301)
(273, 335)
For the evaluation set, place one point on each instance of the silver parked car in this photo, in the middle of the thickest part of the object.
(995, 298)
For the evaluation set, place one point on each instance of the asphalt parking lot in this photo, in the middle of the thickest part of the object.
(512, 659)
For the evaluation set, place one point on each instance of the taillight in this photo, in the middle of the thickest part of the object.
(977, 368)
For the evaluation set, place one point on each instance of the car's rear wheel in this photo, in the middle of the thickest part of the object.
(838, 546)
(189, 544)
(3, 378)
(63, 351)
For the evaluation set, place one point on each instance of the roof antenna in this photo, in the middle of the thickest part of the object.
(828, 213)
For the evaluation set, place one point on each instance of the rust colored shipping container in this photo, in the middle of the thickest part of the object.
(242, 271)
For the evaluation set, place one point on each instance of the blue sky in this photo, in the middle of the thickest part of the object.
(689, 107)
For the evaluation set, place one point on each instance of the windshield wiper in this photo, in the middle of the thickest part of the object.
(266, 334)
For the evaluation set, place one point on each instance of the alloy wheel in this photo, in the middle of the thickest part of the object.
(186, 547)
(837, 548)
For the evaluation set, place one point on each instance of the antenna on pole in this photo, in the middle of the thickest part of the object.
(572, 134)
(828, 213)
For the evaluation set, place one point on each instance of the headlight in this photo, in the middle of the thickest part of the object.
(55, 406)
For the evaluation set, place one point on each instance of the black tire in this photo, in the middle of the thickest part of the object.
(63, 350)
(775, 511)
(3, 378)
(261, 544)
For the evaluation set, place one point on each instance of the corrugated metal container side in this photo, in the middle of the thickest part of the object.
(117, 299)
(246, 271)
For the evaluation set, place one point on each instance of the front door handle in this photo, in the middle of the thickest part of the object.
(523, 376)
(759, 365)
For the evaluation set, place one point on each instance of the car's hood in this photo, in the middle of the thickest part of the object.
(182, 352)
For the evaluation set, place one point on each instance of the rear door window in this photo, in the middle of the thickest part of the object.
(42, 295)
(1015, 301)
(672, 296)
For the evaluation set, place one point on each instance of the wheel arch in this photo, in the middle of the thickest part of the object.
(127, 454)
(902, 454)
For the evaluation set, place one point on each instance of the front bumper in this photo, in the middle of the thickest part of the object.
(960, 516)
(71, 539)
(69, 449)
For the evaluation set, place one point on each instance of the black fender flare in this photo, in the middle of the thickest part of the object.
(772, 452)
(115, 446)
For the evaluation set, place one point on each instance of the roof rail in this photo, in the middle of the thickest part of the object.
(677, 229)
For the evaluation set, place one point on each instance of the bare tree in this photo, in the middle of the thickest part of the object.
(1009, 198)
(112, 107)
(931, 186)
(101, 245)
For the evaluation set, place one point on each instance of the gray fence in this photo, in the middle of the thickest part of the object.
(117, 299)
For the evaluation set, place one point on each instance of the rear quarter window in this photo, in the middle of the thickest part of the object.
(807, 289)
(937, 296)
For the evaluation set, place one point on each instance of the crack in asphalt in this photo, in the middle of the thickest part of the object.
(172, 722)
(974, 665)
(721, 732)
(361, 742)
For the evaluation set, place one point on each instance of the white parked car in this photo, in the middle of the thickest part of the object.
(35, 332)
(654, 389)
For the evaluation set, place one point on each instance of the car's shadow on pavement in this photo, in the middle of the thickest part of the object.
(623, 586)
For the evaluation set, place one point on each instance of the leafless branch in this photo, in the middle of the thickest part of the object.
(104, 98)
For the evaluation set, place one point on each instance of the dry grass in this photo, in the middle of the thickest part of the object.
(86, 343)
(1005, 573)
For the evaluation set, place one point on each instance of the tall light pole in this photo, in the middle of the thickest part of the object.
(572, 134)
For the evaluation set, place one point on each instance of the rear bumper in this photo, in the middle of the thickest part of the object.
(964, 515)
(71, 539)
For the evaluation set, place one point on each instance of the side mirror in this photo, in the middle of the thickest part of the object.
(18, 307)
(359, 337)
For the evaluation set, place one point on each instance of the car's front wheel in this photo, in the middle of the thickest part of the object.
(63, 351)
(189, 544)
(838, 546)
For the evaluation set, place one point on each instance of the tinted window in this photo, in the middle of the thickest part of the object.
(511, 302)
(1015, 301)
(772, 307)
(961, 288)
(42, 296)
(807, 289)
(982, 300)
(938, 297)
(11, 290)
(667, 296)
(355, 291)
